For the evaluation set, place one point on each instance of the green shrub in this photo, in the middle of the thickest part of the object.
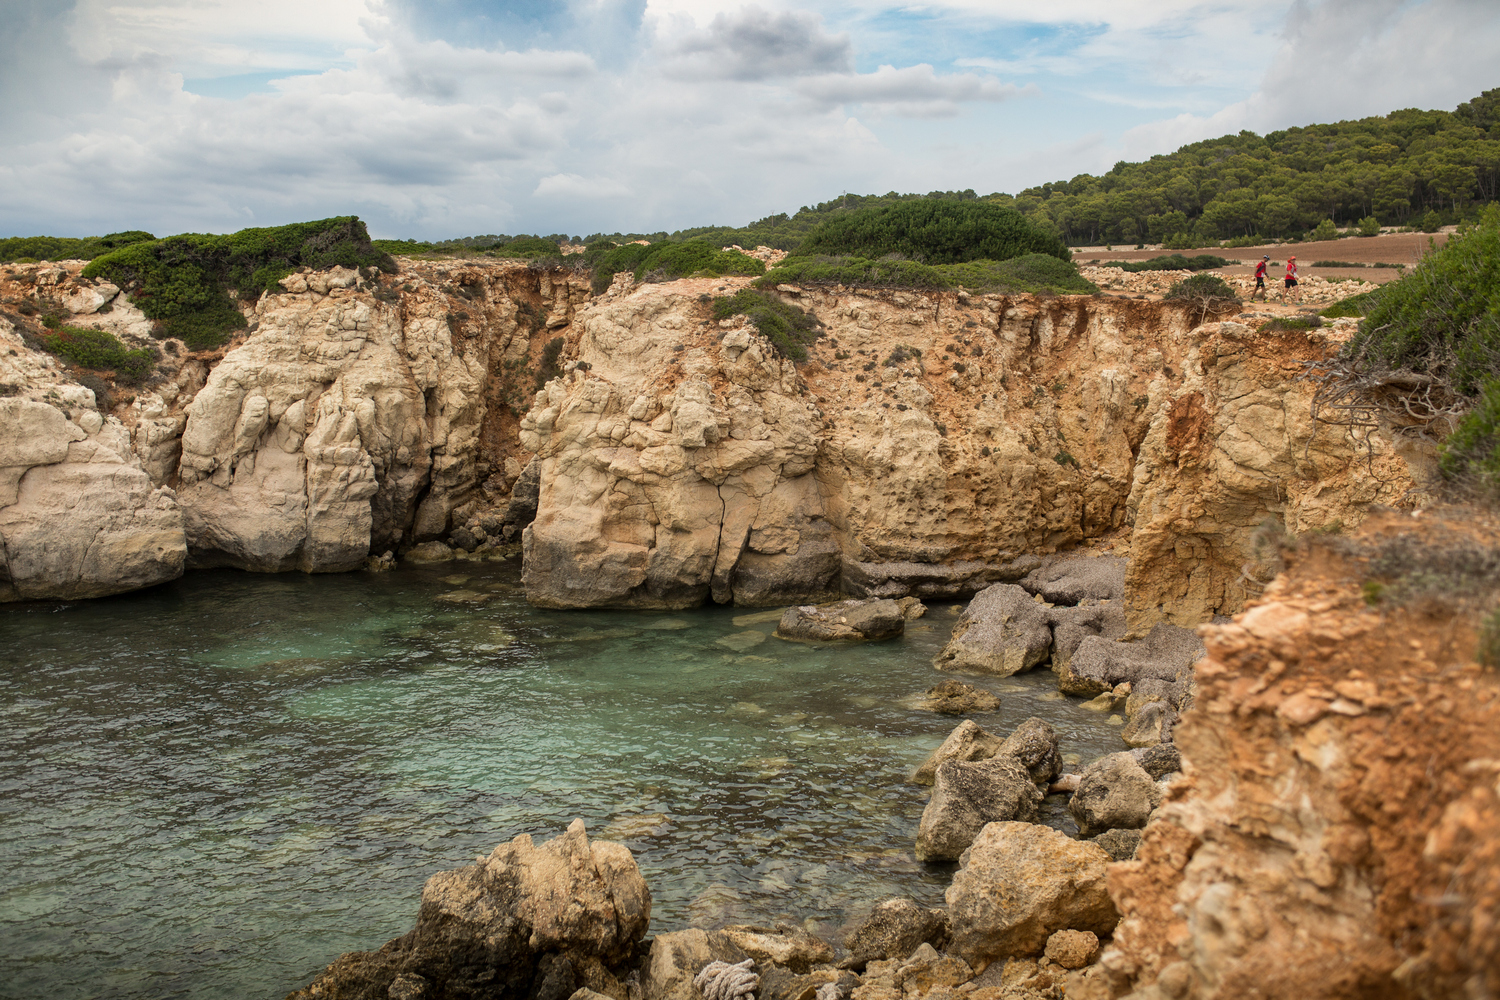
(1334, 263)
(1293, 324)
(1179, 241)
(1326, 231)
(1171, 262)
(789, 329)
(1443, 317)
(1472, 451)
(1034, 272)
(528, 246)
(667, 261)
(549, 368)
(184, 282)
(29, 249)
(101, 351)
(933, 231)
(1354, 305)
(1369, 226)
(1199, 287)
(862, 272)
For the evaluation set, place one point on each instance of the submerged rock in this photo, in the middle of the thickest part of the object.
(968, 794)
(524, 915)
(843, 621)
(954, 697)
(1018, 884)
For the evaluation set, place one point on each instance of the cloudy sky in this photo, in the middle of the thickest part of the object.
(434, 118)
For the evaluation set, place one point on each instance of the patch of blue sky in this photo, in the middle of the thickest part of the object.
(238, 85)
(945, 39)
(605, 29)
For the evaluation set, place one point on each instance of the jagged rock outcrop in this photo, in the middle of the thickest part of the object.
(1337, 832)
(525, 921)
(894, 929)
(968, 794)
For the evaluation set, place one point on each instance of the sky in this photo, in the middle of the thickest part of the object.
(444, 118)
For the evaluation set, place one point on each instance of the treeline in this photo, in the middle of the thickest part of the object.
(1421, 169)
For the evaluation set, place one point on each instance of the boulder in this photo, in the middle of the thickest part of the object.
(1121, 844)
(1073, 580)
(953, 697)
(1150, 726)
(790, 947)
(1070, 626)
(1018, 884)
(1166, 653)
(1002, 632)
(842, 621)
(503, 924)
(1158, 761)
(925, 969)
(1034, 744)
(1149, 689)
(678, 956)
(968, 794)
(1072, 949)
(895, 928)
(967, 742)
(1114, 793)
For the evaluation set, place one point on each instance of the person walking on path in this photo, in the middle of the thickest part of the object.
(1260, 280)
(1291, 278)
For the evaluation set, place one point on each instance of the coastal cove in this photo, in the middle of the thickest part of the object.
(214, 785)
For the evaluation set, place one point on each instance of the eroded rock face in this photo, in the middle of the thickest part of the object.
(1336, 834)
(79, 517)
(508, 925)
(1019, 884)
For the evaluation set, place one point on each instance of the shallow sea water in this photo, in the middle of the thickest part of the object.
(212, 788)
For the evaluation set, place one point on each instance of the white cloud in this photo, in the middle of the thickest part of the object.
(754, 44)
(575, 186)
(914, 90)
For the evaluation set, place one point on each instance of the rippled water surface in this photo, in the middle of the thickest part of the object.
(213, 788)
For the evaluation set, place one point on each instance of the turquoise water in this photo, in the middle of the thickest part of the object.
(212, 788)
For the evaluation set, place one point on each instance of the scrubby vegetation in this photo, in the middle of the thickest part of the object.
(1354, 305)
(1029, 273)
(524, 247)
(25, 249)
(789, 329)
(666, 261)
(100, 351)
(1034, 272)
(933, 232)
(1426, 358)
(1171, 262)
(186, 282)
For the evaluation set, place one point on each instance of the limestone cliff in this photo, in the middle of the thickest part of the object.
(933, 443)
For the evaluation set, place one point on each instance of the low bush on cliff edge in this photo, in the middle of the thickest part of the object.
(789, 329)
(33, 248)
(184, 282)
(1171, 262)
(1208, 292)
(1035, 272)
(667, 261)
(1028, 273)
(101, 351)
(933, 231)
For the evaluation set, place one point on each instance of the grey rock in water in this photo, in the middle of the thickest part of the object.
(1074, 579)
(843, 621)
(1021, 882)
(1121, 844)
(967, 742)
(1166, 653)
(487, 929)
(1150, 726)
(1070, 626)
(1002, 632)
(465, 538)
(1158, 761)
(894, 929)
(966, 795)
(1114, 793)
(524, 496)
(1150, 689)
(1035, 745)
(953, 697)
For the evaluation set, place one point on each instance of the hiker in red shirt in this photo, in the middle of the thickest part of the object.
(1291, 277)
(1260, 279)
